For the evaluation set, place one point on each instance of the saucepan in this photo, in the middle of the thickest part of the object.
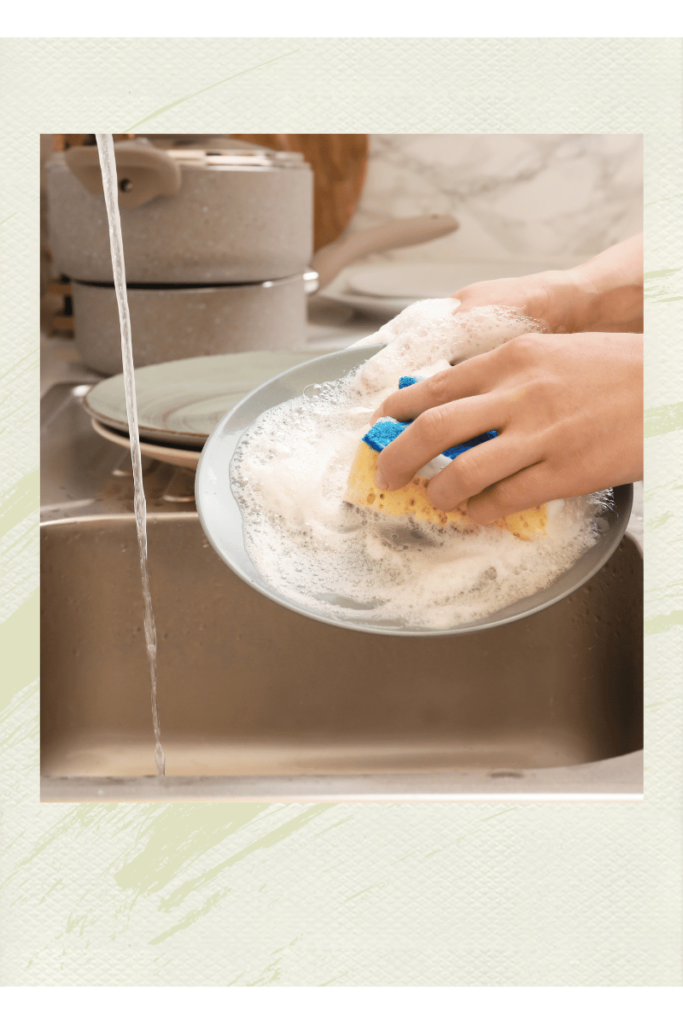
(190, 216)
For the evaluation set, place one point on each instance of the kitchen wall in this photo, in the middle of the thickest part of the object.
(556, 196)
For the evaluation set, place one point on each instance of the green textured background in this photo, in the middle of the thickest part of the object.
(526, 893)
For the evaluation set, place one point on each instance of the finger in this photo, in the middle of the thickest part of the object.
(481, 467)
(462, 381)
(528, 295)
(530, 487)
(473, 376)
(499, 291)
(435, 430)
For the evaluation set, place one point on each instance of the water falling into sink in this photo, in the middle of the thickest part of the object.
(105, 146)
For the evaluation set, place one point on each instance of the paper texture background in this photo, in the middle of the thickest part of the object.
(533, 893)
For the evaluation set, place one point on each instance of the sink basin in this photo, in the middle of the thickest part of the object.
(258, 702)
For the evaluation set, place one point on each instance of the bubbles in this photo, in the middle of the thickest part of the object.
(427, 337)
(291, 468)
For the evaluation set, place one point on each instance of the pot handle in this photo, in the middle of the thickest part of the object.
(393, 234)
(143, 172)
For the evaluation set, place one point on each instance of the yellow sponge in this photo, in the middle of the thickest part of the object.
(413, 501)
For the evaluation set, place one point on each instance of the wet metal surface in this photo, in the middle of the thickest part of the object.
(259, 702)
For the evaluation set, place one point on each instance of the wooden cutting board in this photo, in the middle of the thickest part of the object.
(339, 164)
(62, 142)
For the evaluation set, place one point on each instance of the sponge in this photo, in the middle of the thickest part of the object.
(412, 500)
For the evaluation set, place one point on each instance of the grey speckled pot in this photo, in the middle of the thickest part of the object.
(177, 323)
(225, 224)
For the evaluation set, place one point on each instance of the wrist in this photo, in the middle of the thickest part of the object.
(610, 292)
(570, 299)
(584, 299)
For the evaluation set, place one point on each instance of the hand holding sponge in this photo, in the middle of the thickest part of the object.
(412, 501)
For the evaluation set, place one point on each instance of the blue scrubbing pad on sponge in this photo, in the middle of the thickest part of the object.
(386, 430)
(405, 382)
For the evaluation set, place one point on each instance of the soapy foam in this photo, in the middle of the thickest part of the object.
(291, 468)
(427, 337)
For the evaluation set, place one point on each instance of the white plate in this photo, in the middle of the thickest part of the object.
(432, 280)
(371, 305)
(385, 289)
(188, 458)
(221, 517)
(181, 402)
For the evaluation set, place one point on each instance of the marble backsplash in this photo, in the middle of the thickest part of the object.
(555, 196)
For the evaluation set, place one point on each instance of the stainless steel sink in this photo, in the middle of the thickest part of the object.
(257, 702)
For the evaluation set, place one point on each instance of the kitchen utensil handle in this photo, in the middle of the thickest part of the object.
(143, 172)
(393, 234)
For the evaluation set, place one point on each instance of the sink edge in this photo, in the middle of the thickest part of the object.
(616, 778)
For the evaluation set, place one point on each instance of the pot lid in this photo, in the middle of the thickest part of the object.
(221, 151)
(191, 141)
(239, 154)
(237, 158)
(145, 171)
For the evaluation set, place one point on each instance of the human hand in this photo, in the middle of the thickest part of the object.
(603, 294)
(567, 408)
(549, 298)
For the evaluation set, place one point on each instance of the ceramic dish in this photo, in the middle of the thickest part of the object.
(180, 402)
(221, 518)
(185, 457)
(385, 289)
(432, 280)
(370, 305)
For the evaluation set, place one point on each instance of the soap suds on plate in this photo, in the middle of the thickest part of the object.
(290, 471)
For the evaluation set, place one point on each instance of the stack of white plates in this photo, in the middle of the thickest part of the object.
(179, 403)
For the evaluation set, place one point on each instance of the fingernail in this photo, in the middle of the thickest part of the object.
(380, 481)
